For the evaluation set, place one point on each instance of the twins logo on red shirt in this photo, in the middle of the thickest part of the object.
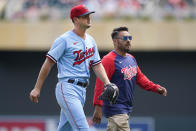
(82, 56)
(129, 72)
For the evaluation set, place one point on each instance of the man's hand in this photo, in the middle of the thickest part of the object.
(97, 114)
(110, 93)
(162, 91)
(34, 95)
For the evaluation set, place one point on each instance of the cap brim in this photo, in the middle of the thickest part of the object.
(90, 12)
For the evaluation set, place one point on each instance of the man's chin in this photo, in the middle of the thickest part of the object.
(88, 26)
(127, 50)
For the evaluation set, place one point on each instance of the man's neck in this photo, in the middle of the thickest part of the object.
(120, 52)
(80, 32)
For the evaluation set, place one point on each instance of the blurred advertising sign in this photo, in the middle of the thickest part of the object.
(21, 126)
(50, 123)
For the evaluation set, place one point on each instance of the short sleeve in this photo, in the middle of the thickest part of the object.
(57, 49)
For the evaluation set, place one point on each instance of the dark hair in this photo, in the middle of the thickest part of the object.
(117, 30)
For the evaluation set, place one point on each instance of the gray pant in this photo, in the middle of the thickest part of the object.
(118, 122)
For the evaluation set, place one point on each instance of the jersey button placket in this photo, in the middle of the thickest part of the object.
(86, 61)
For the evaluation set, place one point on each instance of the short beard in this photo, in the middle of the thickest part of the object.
(127, 50)
(124, 50)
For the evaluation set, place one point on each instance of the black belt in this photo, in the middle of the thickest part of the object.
(79, 83)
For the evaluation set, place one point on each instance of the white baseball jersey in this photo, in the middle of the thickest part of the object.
(74, 56)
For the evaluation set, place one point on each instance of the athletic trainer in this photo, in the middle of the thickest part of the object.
(122, 70)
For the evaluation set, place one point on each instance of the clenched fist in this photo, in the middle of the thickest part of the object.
(34, 95)
(162, 91)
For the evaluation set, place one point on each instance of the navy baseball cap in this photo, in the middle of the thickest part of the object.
(79, 10)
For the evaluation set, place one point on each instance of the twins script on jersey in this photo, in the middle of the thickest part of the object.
(74, 55)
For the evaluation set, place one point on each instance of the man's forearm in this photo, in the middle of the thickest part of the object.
(45, 69)
(100, 72)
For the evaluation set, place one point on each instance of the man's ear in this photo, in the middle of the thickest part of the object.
(75, 19)
(115, 42)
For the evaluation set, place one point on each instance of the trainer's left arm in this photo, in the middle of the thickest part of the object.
(148, 85)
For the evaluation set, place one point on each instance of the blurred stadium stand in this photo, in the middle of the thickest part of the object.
(33, 10)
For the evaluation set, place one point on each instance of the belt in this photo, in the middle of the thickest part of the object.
(79, 83)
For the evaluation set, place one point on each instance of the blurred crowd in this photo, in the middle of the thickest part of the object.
(35, 10)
